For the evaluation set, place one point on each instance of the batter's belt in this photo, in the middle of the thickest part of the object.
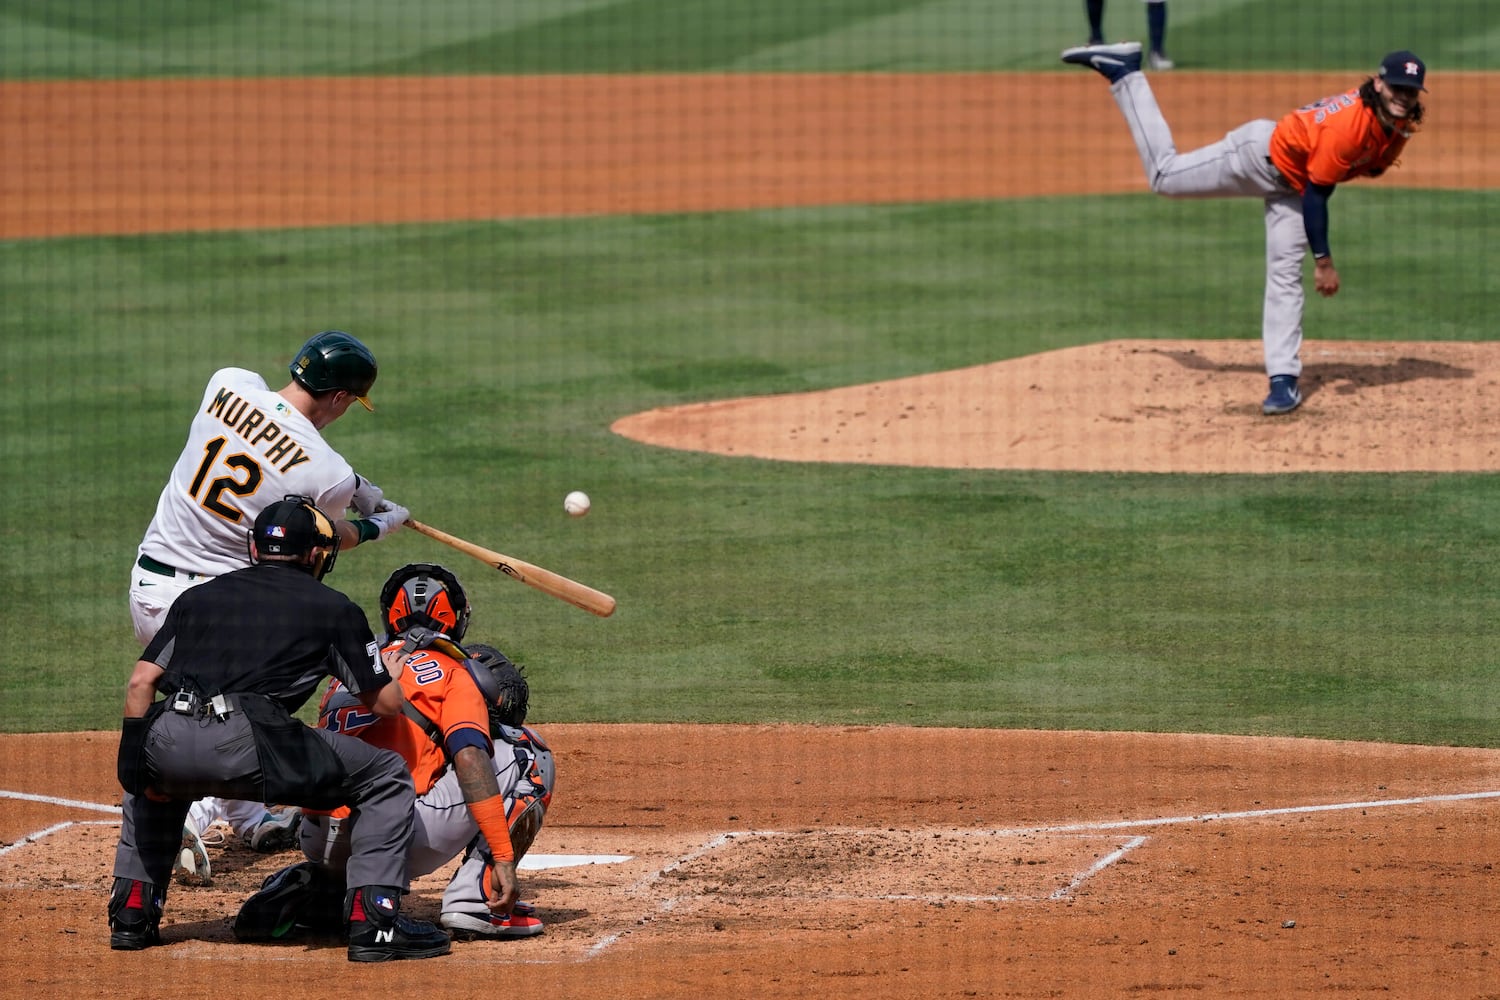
(150, 565)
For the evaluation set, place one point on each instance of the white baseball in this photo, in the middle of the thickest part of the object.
(576, 503)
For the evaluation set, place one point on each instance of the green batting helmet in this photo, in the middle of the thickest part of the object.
(333, 360)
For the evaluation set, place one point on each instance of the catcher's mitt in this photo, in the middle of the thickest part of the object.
(511, 692)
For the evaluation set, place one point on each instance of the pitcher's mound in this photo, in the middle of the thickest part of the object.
(1129, 406)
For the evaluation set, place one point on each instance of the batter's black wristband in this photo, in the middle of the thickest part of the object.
(368, 530)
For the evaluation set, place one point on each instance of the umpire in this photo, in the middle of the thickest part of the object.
(235, 657)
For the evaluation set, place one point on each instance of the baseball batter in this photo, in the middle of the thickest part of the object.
(483, 780)
(1294, 165)
(248, 447)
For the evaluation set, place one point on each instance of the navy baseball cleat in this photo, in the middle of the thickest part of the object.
(1284, 397)
(379, 933)
(1115, 62)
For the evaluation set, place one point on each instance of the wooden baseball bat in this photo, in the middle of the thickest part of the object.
(579, 595)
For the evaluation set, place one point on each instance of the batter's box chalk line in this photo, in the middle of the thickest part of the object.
(721, 841)
(815, 847)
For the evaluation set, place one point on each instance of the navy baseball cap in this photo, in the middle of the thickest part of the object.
(1403, 69)
(292, 527)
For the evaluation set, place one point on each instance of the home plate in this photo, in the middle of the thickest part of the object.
(541, 862)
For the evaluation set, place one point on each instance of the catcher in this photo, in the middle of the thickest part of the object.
(483, 780)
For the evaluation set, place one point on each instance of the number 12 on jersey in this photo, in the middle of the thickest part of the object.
(212, 498)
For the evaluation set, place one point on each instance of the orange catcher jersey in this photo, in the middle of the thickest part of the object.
(441, 689)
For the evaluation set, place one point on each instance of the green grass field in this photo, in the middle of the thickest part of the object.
(1332, 606)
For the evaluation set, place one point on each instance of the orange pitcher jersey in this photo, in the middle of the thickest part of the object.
(441, 689)
(1333, 140)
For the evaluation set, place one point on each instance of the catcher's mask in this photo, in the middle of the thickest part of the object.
(504, 687)
(427, 595)
(291, 528)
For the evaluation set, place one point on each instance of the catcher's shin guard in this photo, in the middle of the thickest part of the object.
(525, 823)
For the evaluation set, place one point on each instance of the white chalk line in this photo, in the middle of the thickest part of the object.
(32, 838)
(1136, 824)
(1097, 867)
(52, 800)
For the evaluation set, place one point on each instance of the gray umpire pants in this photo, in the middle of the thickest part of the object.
(1238, 165)
(195, 756)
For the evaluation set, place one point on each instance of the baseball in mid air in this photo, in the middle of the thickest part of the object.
(576, 503)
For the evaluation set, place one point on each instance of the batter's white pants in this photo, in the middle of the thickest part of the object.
(1238, 165)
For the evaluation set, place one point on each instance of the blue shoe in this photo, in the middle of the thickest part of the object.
(276, 831)
(1284, 397)
(1114, 61)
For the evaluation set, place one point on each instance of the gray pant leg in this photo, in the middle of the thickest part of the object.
(465, 892)
(150, 836)
(1236, 165)
(1281, 317)
(380, 825)
(442, 825)
(190, 758)
(325, 840)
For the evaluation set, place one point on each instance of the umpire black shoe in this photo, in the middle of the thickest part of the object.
(134, 915)
(377, 933)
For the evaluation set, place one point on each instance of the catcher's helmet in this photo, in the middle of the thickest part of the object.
(427, 595)
(503, 685)
(293, 527)
(333, 360)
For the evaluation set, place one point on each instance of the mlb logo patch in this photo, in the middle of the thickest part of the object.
(277, 531)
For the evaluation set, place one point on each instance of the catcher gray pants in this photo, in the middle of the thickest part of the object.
(192, 756)
(442, 829)
(1238, 165)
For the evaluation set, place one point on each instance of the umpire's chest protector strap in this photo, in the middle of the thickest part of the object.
(296, 766)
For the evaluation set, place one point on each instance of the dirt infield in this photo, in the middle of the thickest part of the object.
(868, 862)
(1128, 406)
(835, 862)
(145, 156)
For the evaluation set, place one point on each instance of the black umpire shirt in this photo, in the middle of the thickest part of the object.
(268, 629)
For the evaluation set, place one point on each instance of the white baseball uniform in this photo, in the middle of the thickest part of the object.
(247, 447)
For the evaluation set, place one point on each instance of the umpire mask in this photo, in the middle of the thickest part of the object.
(294, 528)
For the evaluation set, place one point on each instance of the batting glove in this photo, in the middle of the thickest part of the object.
(390, 518)
(367, 496)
